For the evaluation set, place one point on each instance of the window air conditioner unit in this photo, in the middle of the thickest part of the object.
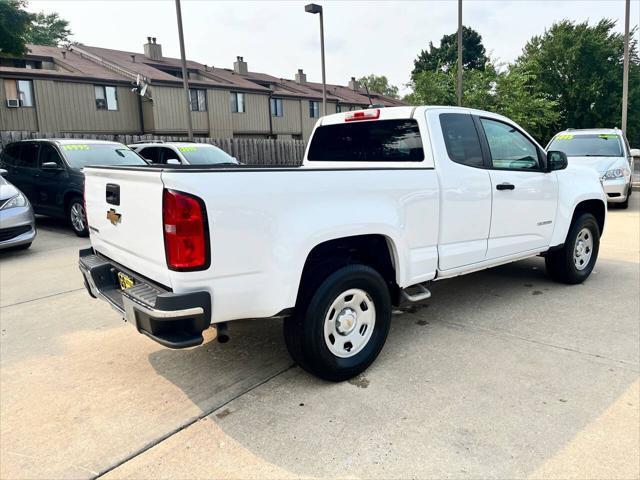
(13, 103)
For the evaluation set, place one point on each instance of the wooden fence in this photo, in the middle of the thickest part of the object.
(252, 151)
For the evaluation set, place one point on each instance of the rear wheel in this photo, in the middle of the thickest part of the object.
(338, 330)
(574, 262)
(77, 217)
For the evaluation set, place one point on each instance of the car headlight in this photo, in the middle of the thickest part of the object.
(615, 173)
(18, 201)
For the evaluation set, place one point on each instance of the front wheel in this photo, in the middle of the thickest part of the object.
(574, 262)
(337, 331)
(77, 217)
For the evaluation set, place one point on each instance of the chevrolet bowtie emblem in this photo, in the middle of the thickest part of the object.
(113, 216)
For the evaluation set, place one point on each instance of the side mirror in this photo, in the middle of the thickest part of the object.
(3, 172)
(635, 152)
(51, 166)
(173, 161)
(556, 160)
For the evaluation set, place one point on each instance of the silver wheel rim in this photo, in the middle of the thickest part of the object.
(349, 323)
(77, 217)
(583, 249)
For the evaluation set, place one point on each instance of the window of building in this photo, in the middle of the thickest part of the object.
(198, 99)
(379, 141)
(509, 148)
(276, 107)
(314, 109)
(461, 139)
(20, 91)
(106, 97)
(237, 102)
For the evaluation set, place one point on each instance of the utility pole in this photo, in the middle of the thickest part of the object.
(625, 74)
(185, 73)
(459, 83)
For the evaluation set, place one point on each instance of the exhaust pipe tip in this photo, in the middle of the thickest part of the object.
(222, 334)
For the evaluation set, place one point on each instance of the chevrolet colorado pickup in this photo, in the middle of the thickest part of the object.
(386, 201)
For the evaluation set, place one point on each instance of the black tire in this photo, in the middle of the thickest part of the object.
(79, 228)
(304, 331)
(560, 263)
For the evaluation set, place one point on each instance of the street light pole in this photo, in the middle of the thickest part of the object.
(459, 83)
(185, 73)
(313, 8)
(625, 74)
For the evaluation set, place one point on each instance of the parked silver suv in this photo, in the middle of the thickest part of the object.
(605, 150)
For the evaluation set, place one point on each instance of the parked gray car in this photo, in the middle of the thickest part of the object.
(17, 223)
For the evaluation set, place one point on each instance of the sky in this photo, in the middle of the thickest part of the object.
(361, 37)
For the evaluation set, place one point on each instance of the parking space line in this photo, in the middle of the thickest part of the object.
(41, 298)
(499, 333)
(188, 423)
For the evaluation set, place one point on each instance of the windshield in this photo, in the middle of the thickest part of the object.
(84, 154)
(593, 145)
(201, 155)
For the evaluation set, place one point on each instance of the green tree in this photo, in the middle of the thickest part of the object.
(47, 29)
(379, 84)
(579, 66)
(445, 56)
(14, 22)
(506, 92)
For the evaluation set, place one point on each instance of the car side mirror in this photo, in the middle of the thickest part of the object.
(3, 172)
(173, 161)
(635, 152)
(51, 166)
(556, 160)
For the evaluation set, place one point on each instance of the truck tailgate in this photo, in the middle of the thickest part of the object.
(124, 211)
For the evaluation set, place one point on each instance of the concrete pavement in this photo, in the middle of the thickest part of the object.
(503, 374)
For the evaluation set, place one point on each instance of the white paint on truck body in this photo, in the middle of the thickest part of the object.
(440, 218)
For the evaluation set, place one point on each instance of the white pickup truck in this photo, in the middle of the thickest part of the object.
(386, 201)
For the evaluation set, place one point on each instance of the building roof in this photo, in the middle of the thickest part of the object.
(286, 87)
(152, 69)
(82, 62)
(68, 64)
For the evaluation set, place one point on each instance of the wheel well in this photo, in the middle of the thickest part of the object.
(327, 257)
(67, 198)
(595, 208)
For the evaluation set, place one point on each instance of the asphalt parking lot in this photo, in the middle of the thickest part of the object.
(503, 374)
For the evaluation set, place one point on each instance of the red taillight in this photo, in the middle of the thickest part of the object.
(186, 241)
(373, 114)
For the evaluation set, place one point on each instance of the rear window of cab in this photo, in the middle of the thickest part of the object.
(368, 141)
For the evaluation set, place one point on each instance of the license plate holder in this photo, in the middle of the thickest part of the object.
(125, 281)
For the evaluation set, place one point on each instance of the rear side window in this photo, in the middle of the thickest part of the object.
(11, 154)
(368, 141)
(28, 156)
(461, 139)
(151, 153)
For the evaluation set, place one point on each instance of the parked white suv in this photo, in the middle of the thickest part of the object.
(607, 152)
(386, 201)
(182, 153)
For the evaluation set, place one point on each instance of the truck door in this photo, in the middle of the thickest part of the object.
(525, 197)
(465, 189)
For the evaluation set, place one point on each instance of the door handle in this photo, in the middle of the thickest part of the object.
(505, 186)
